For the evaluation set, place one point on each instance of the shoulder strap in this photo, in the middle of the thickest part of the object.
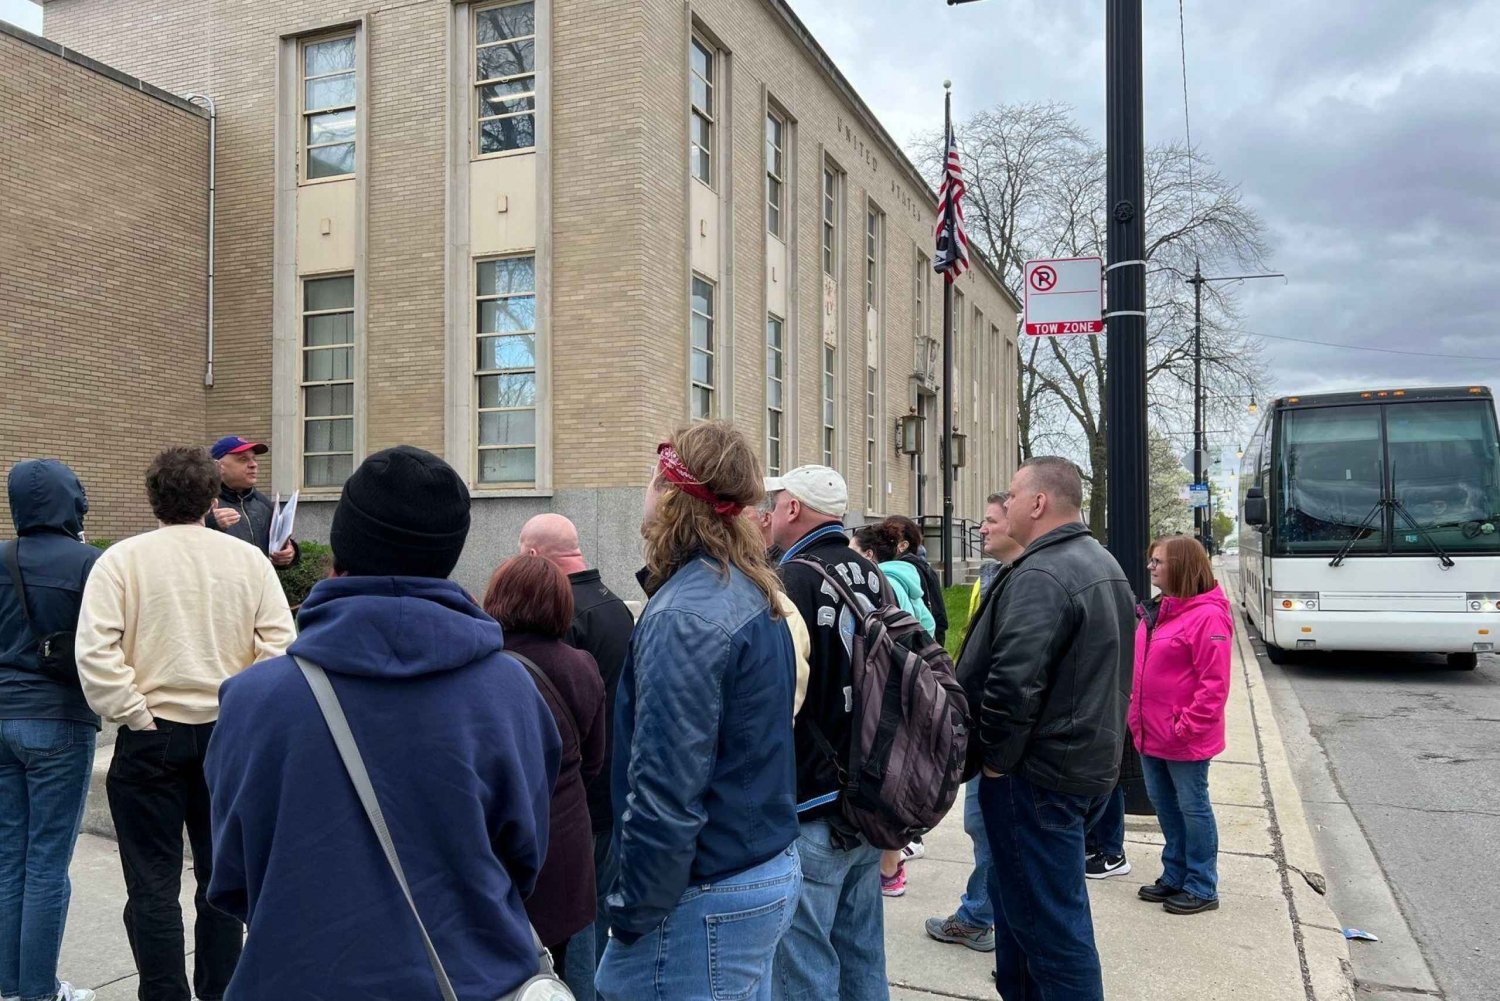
(343, 738)
(13, 561)
(545, 683)
(846, 594)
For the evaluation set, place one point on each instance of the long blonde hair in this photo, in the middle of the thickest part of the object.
(719, 456)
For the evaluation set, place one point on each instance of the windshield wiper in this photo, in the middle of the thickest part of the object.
(1338, 559)
(1400, 508)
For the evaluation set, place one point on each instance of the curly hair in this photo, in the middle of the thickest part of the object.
(881, 539)
(182, 484)
(719, 456)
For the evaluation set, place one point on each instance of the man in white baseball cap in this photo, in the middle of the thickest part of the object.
(836, 944)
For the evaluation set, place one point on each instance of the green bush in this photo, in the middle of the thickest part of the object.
(101, 544)
(956, 598)
(297, 580)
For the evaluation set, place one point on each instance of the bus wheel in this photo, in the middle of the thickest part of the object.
(1278, 655)
(1463, 661)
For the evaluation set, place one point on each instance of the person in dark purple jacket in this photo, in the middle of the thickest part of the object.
(533, 602)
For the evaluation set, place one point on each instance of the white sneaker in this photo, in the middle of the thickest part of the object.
(914, 850)
(71, 993)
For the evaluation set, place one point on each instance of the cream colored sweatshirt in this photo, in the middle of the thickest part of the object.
(168, 615)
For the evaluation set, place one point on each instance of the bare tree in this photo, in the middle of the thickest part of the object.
(1036, 183)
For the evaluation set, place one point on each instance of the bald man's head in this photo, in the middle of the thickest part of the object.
(553, 538)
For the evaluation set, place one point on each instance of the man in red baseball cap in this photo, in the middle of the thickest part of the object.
(241, 510)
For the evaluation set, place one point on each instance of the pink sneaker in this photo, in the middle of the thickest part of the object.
(894, 885)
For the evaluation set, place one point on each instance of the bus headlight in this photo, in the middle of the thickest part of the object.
(1295, 601)
(1482, 601)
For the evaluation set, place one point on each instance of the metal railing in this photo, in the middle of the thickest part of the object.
(966, 540)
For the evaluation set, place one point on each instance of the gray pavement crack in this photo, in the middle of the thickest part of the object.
(937, 993)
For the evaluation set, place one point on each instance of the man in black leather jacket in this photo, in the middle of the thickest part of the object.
(1053, 644)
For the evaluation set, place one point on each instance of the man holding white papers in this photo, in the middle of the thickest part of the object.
(241, 510)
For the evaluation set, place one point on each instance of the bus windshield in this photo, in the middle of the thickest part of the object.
(1393, 478)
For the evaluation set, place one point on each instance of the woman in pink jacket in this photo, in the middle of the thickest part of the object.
(1177, 717)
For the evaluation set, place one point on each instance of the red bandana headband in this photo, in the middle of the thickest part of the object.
(676, 473)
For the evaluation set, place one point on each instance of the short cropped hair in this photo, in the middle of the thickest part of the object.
(1058, 478)
(1189, 572)
(182, 483)
(999, 498)
(529, 594)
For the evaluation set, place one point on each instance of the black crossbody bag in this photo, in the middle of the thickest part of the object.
(54, 651)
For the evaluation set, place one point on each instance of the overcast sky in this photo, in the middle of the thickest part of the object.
(1364, 132)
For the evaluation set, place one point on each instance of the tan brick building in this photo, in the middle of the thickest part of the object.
(103, 224)
(535, 236)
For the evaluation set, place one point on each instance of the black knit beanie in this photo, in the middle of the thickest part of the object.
(404, 513)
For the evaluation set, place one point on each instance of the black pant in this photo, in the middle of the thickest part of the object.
(155, 788)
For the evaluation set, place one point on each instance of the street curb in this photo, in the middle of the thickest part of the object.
(1328, 974)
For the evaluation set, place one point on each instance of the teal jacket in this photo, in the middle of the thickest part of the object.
(907, 583)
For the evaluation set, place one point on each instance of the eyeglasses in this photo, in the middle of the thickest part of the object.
(1153, 563)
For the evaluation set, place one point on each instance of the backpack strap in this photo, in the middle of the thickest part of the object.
(13, 562)
(545, 684)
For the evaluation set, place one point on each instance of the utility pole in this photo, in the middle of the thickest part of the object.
(1125, 349)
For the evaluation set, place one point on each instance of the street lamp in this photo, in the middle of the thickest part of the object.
(960, 449)
(909, 433)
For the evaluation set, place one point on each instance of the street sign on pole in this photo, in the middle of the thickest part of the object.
(1064, 296)
(1198, 494)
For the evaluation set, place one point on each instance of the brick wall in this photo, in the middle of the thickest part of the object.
(102, 300)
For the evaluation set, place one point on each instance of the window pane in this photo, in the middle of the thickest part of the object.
(500, 99)
(700, 164)
(773, 135)
(1445, 467)
(703, 403)
(1331, 476)
(499, 23)
(773, 394)
(330, 127)
(326, 470)
(508, 59)
(700, 94)
(329, 57)
(328, 293)
(515, 351)
(501, 134)
(510, 274)
(703, 333)
(328, 365)
(500, 316)
(703, 297)
(507, 391)
(702, 131)
(330, 91)
(328, 329)
(330, 161)
(507, 427)
(507, 465)
(773, 332)
(703, 364)
(773, 219)
(701, 60)
(329, 436)
(329, 401)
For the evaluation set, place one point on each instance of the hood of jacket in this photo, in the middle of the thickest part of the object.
(393, 627)
(909, 576)
(46, 496)
(1212, 600)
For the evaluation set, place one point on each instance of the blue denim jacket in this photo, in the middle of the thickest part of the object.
(704, 776)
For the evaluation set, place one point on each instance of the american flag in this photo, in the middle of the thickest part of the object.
(952, 256)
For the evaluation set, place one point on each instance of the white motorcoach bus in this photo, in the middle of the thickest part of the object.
(1371, 521)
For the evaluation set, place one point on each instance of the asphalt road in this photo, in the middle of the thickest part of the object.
(1398, 761)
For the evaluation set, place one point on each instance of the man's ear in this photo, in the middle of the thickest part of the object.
(793, 508)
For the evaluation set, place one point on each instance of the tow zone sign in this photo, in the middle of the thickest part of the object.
(1064, 296)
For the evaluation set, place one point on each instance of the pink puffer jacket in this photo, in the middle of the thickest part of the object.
(1182, 677)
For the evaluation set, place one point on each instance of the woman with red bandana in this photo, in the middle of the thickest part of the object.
(704, 783)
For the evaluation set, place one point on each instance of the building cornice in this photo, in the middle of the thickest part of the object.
(94, 65)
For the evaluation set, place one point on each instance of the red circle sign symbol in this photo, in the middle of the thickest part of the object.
(1043, 278)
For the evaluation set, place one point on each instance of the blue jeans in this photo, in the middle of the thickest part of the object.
(586, 949)
(1044, 933)
(716, 945)
(836, 945)
(44, 779)
(1190, 857)
(1105, 833)
(975, 909)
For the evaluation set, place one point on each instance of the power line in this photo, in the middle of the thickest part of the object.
(1187, 124)
(1366, 347)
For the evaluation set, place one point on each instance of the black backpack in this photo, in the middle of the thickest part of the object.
(54, 651)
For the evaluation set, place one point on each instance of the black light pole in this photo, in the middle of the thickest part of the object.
(947, 450)
(1125, 350)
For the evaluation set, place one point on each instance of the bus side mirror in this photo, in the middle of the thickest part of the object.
(1255, 507)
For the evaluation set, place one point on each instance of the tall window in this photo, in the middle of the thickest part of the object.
(830, 221)
(919, 316)
(775, 384)
(505, 77)
(701, 61)
(872, 258)
(328, 107)
(775, 170)
(703, 349)
(327, 380)
(872, 487)
(830, 396)
(505, 370)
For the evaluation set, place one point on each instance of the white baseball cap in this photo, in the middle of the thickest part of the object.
(817, 487)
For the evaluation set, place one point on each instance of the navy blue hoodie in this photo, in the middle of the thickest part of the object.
(463, 753)
(47, 505)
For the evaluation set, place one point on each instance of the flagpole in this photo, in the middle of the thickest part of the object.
(948, 279)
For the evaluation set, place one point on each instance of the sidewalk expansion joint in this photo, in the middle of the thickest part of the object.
(931, 992)
(1373, 986)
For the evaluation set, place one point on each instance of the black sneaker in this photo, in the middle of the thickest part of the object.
(1101, 866)
(1186, 903)
(1158, 892)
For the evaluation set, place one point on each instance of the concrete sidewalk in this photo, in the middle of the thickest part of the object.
(1273, 938)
